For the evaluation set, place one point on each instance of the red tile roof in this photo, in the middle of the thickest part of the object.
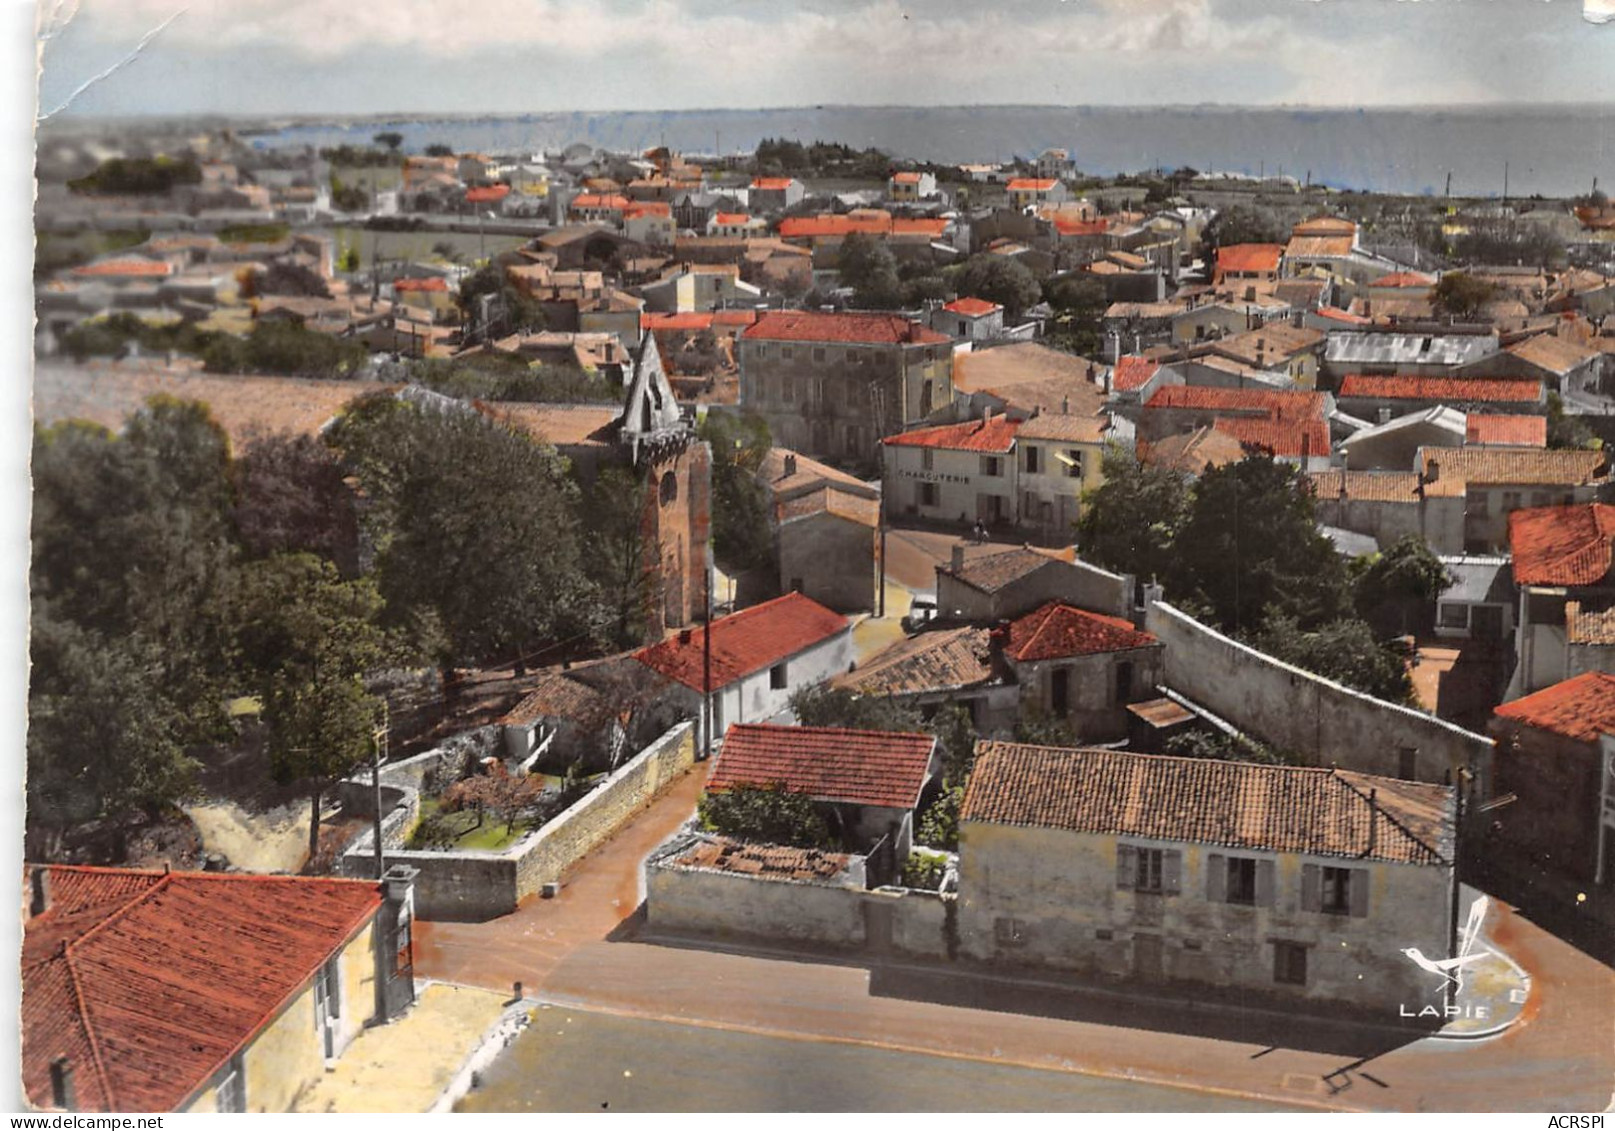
(1335, 314)
(599, 200)
(487, 195)
(734, 317)
(775, 184)
(863, 329)
(1133, 372)
(732, 217)
(1500, 428)
(1070, 226)
(996, 434)
(906, 178)
(431, 284)
(855, 767)
(1572, 545)
(1032, 184)
(1057, 631)
(1497, 390)
(127, 267)
(691, 321)
(1293, 438)
(1301, 809)
(1403, 279)
(745, 642)
(148, 981)
(1581, 708)
(1262, 257)
(649, 208)
(1276, 404)
(972, 307)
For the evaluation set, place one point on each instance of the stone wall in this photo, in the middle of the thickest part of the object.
(684, 900)
(476, 885)
(1320, 720)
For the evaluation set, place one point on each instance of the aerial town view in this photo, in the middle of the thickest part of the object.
(680, 556)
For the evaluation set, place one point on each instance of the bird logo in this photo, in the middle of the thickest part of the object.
(1451, 969)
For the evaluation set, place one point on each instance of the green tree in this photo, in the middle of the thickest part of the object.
(1222, 747)
(742, 526)
(1460, 295)
(1344, 650)
(1000, 279)
(619, 541)
(767, 815)
(1242, 224)
(869, 268)
(1566, 431)
(1396, 589)
(106, 738)
(438, 149)
(285, 349)
(1130, 521)
(824, 706)
(512, 310)
(391, 139)
(307, 640)
(475, 527)
(1250, 545)
(292, 496)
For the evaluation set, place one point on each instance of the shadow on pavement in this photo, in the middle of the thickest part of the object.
(1044, 994)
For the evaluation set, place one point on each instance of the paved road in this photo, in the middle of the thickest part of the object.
(584, 950)
(570, 1060)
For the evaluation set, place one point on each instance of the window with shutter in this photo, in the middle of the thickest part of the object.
(1172, 872)
(1126, 866)
(1335, 891)
(1358, 898)
(1241, 887)
(1311, 887)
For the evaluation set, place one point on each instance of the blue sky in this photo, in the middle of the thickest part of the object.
(315, 56)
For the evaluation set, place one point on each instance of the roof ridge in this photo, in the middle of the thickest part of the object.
(800, 729)
(163, 879)
(1375, 807)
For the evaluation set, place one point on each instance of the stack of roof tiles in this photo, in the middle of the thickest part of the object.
(1321, 812)
(885, 769)
(863, 329)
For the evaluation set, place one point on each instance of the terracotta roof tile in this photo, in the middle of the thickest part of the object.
(1506, 430)
(1275, 404)
(940, 660)
(1293, 438)
(1262, 257)
(1063, 426)
(856, 767)
(972, 307)
(773, 184)
(125, 267)
(1581, 708)
(1057, 630)
(149, 981)
(1401, 279)
(1320, 812)
(1499, 390)
(1133, 372)
(745, 642)
(1325, 226)
(1590, 624)
(490, 194)
(765, 861)
(991, 572)
(1380, 486)
(996, 434)
(558, 695)
(1556, 355)
(815, 326)
(1527, 466)
(1032, 184)
(1192, 452)
(1571, 545)
(1323, 247)
(831, 500)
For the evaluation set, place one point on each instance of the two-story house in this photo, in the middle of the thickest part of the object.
(1029, 192)
(1082, 668)
(1564, 567)
(774, 194)
(1300, 885)
(1498, 481)
(831, 385)
(954, 472)
(909, 187)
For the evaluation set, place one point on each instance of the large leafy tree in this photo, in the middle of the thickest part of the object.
(1395, 590)
(619, 540)
(1344, 650)
(999, 279)
(1129, 522)
(1242, 224)
(475, 527)
(307, 640)
(1461, 295)
(1250, 545)
(291, 496)
(869, 268)
(742, 530)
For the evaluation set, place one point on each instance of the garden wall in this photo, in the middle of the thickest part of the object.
(1293, 710)
(473, 885)
(691, 900)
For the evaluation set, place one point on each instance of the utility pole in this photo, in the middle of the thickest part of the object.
(1505, 182)
(378, 741)
(706, 662)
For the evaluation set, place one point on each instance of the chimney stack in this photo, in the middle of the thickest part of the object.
(790, 464)
(958, 556)
(39, 901)
(63, 1095)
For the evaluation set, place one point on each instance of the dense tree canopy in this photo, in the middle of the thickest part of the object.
(1129, 521)
(742, 528)
(997, 278)
(1461, 295)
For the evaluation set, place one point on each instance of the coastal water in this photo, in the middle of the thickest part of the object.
(1548, 150)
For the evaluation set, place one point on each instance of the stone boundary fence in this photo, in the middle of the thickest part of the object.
(1324, 722)
(691, 900)
(473, 885)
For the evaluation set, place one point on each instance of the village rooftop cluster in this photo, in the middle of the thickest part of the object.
(1193, 591)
